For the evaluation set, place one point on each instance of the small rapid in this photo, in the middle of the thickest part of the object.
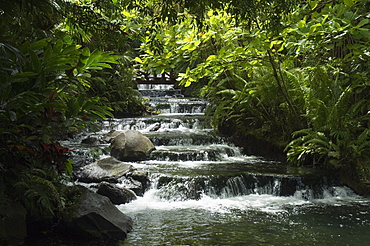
(249, 220)
(204, 191)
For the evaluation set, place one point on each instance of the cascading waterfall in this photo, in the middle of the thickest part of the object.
(205, 192)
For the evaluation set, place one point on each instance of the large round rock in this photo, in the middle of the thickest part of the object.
(131, 145)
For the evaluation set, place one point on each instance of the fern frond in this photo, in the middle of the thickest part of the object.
(302, 132)
(318, 143)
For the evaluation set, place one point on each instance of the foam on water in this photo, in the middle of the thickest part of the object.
(267, 203)
(264, 202)
(155, 86)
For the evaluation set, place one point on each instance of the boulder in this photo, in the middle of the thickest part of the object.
(111, 135)
(117, 195)
(131, 145)
(108, 169)
(13, 228)
(95, 215)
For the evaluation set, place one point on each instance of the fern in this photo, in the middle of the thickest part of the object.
(40, 195)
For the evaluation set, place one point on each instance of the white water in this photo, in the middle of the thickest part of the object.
(263, 202)
(342, 219)
(168, 215)
(165, 217)
(267, 203)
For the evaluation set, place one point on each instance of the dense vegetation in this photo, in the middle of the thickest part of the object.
(64, 66)
(292, 73)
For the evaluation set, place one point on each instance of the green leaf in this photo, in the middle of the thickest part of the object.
(349, 3)
(57, 68)
(314, 27)
(275, 42)
(48, 53)
(84, 75)
(227, 91)
(5, 92)
(36, 63)
(313, 4)
(68, 39)
(25, 47)
(39, 44)
(58, 47)
(99, 114)
(24, 75)
(239, 50)
(211, 58)
(190, 46)
(31, 138)
(68, 167)
(365, 32)
(362, 23)
(301, 24)
(71, 50)
(138, 60)
(86, 52)
(80, 101)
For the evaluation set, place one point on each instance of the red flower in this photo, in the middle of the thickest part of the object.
(45, 147)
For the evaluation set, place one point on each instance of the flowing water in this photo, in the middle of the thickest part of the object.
(205, 192)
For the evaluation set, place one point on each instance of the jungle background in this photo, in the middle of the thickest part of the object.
(288, 73)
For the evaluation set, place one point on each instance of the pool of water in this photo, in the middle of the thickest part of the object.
(343, 219)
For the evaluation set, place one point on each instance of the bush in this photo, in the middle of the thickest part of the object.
(42, 96)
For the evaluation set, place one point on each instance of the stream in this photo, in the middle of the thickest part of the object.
(204, 191)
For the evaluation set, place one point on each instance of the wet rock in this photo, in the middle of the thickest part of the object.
(90, 140)
(155, 127)
(142, 177)
(132, 184)
(12, 224)
(108, 169)
(131, 145)
(111, 135)
(117, 195)
(96, 216)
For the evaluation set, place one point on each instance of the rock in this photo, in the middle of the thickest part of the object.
(12, 224)
(132, 184)
(111, 135)
(96, 216)
(108, 169)
(131, 145)
(154, 127)
(142, 177)
(116, 194)
(90, 140)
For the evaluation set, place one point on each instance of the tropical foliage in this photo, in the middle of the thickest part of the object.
(43, 97)
(293, 73)
(47, 72)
